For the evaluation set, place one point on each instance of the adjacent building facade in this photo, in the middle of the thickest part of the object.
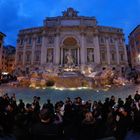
(10, 58)
(2, 35)
(134, 47)
(71, 41)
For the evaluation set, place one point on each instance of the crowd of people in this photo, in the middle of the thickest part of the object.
(70, 119)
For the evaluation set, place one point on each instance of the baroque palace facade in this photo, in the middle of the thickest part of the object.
(134, 47)
(2, 56)
(70, 41)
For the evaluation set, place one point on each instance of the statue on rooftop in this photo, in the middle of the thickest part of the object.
(70, 13)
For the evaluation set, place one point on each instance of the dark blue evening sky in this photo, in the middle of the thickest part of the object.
(20, 14)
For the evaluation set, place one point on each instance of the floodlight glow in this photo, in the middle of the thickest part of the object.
(4, 73)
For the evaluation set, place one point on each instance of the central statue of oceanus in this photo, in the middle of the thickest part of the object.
(69, 57)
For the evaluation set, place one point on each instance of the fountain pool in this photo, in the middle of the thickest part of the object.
(56, 94)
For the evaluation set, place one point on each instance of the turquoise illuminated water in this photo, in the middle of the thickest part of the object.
(55, 95)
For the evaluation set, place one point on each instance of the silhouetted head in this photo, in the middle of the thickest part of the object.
(45, 116)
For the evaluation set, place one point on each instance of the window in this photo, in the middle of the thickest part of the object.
(37, 56)
(28, 57)
(122, 57)
(120, 40)
(25, 40)
(27, 70)
(21, 42)
(113, 56)
(111, 40)
(18, 41)
(29, 40)
(103, 56)
(39, 39)
(20, 57)
(137, 42)
(102, 40)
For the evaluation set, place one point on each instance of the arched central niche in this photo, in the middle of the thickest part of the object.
(70, 41)
(70, 52)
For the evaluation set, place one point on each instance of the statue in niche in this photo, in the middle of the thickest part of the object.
(90, 55)
(50, 57)
(69, 57)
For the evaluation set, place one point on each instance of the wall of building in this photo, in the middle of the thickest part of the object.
(105, 45)
(8, 59)
(134, 45)
(1, 50)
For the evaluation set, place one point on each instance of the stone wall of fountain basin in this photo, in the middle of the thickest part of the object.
(67, 82)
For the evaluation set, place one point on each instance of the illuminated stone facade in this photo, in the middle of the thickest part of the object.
(134, 47)
(70, 41)
(2, 63)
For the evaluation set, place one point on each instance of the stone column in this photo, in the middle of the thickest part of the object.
(78, 55)
(135, 61)
(24, 53)
(97, 50)
(33, 50)
(0, 55)
(43, 50)
(82, 53)
(117, 51)
(16, 56)
(125, 53)
(57, 50)
(61, 56)
(108, 50)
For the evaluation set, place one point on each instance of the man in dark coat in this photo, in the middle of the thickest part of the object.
(46, 128)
